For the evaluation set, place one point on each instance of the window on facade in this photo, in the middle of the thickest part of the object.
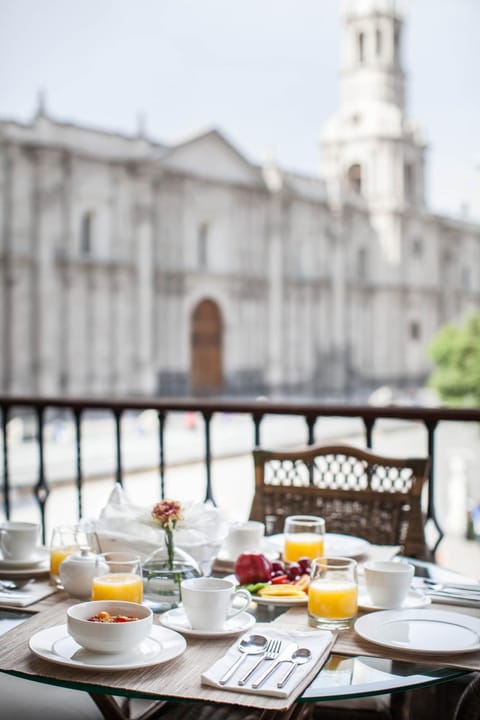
(202, 245)
(354, 178)
(396, 45)
(409, 182)
(414, 330)
(417, 246)
(362, 265)
(466, 278)
(361, 47)
(86, 233)
(378, 42)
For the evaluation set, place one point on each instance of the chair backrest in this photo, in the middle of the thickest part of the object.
(468, 707)
(358, 493)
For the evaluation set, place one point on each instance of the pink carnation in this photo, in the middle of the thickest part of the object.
(167, 512)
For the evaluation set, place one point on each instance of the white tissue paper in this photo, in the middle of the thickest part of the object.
(125, 526)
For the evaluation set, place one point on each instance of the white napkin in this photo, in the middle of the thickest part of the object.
(319, 643)
(23, 598)
(122, 524)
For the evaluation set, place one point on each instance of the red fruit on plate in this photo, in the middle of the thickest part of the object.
(252, 568)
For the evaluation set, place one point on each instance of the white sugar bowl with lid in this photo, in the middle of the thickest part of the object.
(78, 570)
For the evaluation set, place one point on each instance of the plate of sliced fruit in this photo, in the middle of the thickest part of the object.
(273, 582)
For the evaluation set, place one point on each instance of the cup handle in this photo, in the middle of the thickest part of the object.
(247, 599)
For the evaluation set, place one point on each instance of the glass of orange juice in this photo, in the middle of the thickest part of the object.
(120, 577)
(304, 536)
(66, 540)
(333, 593)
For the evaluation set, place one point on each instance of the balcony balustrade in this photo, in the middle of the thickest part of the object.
(256, 410)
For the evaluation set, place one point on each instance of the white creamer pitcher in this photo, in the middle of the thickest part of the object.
(78, 570)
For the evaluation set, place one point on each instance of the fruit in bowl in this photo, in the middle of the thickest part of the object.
(109, 626)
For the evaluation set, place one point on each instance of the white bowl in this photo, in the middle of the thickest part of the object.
(109, 637)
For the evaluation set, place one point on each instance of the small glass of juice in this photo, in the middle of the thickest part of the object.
(304, 536)
(120, 577)
(333, 593)
(66, 540)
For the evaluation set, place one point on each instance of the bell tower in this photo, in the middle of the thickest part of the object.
(371, 149)
(371, 54)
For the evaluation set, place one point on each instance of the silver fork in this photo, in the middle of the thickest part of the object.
(272, 651)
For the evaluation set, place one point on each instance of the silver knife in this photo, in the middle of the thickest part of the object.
(446, 586)
(267, 674)
(453, 599)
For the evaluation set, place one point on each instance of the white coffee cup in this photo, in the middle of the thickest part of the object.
(244, 537)
(18, 540)
(209, 602)
(388, 582)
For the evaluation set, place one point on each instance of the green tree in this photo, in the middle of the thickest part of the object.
(455, 351)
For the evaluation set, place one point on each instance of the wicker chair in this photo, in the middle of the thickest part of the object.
(357, 492)
(468, 707)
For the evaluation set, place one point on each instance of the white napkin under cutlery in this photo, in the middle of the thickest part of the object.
(318, 642)
(28, 596)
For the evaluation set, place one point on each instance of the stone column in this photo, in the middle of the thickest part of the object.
(144, 287)
(339, 315)
(6, 276)
(46, 226)
(64, 258)
(275, 370)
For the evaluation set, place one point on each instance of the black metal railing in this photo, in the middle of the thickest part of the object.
(256, 409)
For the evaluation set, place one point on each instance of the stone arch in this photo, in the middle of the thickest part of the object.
(206, 348)
(354, 178)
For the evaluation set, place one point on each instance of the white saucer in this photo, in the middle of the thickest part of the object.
(56, 645)
(414, 599)
(36, 571)
(40, 556)
(177, 620)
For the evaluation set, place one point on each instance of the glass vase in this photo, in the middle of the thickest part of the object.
(162, 582)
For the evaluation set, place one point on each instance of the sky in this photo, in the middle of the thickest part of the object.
(264, 72)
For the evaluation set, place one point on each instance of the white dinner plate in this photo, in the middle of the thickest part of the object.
(40, 557)
(56, 645)
(345, 545)
(280, 600)
(335, 544)
(421, 631)
(414, 599)
(177, 620)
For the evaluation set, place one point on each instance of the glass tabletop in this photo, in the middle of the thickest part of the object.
(342, 677)
(349, 677)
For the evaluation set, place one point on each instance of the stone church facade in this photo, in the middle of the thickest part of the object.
(132, 267)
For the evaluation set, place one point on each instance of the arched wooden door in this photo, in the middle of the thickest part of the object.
(206, 375)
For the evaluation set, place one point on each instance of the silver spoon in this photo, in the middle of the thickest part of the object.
(300, 656)
(15, 584)
(251, 645)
